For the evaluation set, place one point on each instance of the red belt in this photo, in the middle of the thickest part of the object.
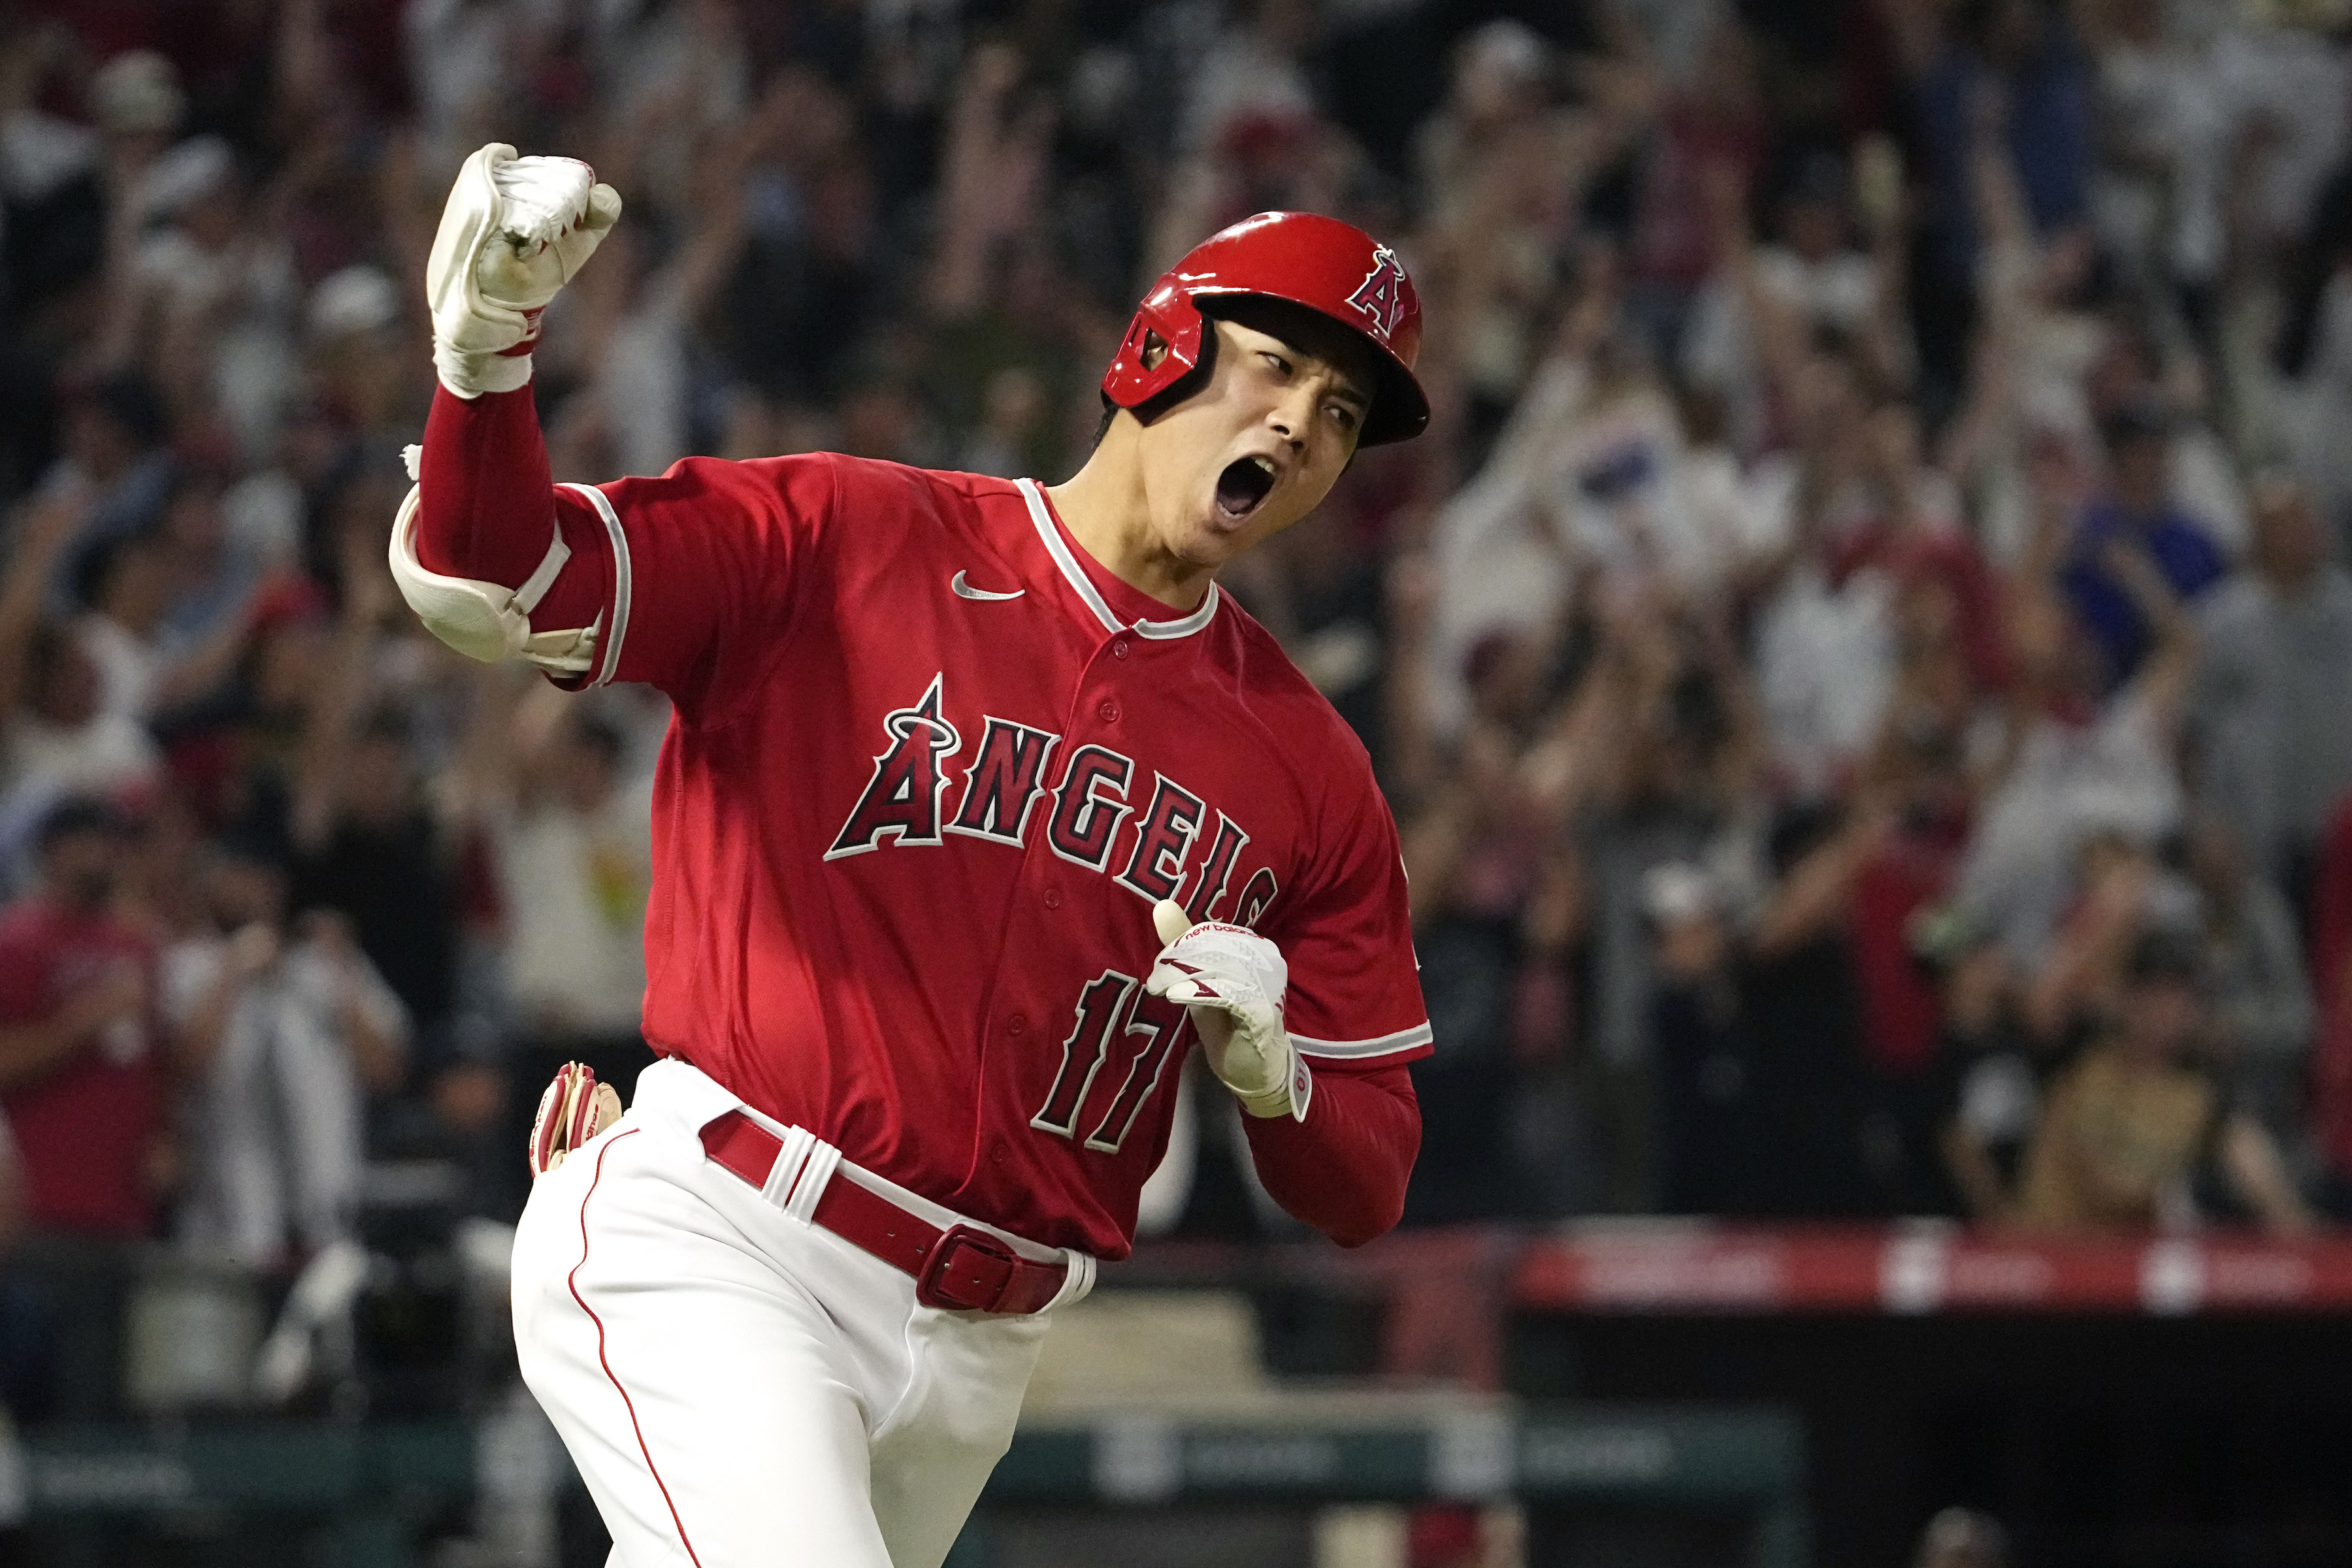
(963, 1268)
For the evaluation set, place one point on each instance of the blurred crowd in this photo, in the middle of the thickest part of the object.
(1862, 660)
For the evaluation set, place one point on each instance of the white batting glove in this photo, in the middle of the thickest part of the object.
(1231, 980)
(514, 232)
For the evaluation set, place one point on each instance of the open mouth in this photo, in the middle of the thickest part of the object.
(1244, 482)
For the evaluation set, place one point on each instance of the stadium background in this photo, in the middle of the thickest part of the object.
(1860, 661)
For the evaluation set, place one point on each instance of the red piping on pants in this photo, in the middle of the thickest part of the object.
(571, 1281)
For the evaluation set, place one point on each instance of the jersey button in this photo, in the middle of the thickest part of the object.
(1053, 898)
(1109, 711)
(1118, 648)
(997, 1151)
(1016, 1025)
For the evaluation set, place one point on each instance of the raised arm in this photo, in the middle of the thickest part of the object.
(47, 526)
(476, 548)
(680, 581)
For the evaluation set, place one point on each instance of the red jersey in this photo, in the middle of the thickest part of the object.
(83, 1131)
(930, 771)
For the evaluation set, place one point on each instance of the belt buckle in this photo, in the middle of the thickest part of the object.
(953, 1269)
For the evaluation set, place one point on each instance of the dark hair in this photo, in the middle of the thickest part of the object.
(255, 840)
(97, 566)
(132, 402)
(2163, 954)
(1307, 330)
(386, 721)
(45, 646)
(1815, 174)
(2142, 419)
(80, 814)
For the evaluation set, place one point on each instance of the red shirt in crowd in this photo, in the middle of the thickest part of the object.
(84, 1130)
(1901, 1010)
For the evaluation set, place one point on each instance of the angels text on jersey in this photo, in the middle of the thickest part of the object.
(1022, 780)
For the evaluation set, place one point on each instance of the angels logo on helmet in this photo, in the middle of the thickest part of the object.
(1381, 296)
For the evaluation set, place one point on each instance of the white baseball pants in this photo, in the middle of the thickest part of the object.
(738, 1386)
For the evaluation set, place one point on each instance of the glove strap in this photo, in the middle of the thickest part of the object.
(1291, 1098)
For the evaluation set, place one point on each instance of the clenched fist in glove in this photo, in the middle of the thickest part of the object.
(574, 1109)
(515, 231)
(1231, 980)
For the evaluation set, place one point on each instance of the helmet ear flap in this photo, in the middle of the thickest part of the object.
(1161, 347)
(1186, 382)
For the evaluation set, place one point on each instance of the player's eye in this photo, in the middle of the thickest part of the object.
(1275, 363)
(1343, 415)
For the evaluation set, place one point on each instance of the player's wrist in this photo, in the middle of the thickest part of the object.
(468, 373)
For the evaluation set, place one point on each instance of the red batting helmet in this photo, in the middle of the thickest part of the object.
(1329, 267)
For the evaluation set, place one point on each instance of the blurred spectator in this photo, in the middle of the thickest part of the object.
(1765, 1096)
(213, 285)
(1711, 1142)
(111, 468)
(575, 865)
(563, 808)
(1962, 1538)
(58, 735)
(2260, 997)
(1495, 904)
(2274, 754)
(2073, 768)
(1812, 283)
(1652, 762)
(2137, 513)
(375, 856)
(2011, 69)
(2130, 1129)
(81, 1079)
(364, 842)
(287, 1027)
(83, 1064)
(1992, 1079)
(1921, 783)
(1711, 130)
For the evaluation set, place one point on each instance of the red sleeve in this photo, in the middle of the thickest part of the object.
(687, 576)
(1354, 1000)
(487, 504)
(707, 561)
(1343, 1170)
(485, 508)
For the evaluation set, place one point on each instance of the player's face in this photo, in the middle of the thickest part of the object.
(1255, 450)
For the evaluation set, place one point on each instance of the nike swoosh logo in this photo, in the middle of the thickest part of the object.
(966, 590)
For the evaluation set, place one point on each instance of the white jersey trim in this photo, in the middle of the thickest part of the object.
(619, 539)
(1352, 1050)
(1054, 546)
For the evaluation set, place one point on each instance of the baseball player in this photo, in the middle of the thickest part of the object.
(980, 806)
